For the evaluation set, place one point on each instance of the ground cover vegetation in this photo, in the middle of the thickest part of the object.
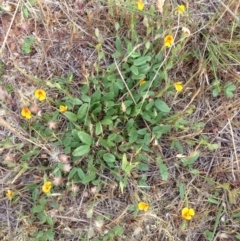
(119, 120)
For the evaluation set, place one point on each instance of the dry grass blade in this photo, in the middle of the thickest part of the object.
(159, 5)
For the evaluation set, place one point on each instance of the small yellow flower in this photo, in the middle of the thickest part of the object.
(140, 5)
(180, 9)
(143, 206)
(178, 86)
(142, 82)
(168, 40)
(46, 187)
(188, 213)
(40, 94)
(9, 194)
(63, 108)
(25, 112)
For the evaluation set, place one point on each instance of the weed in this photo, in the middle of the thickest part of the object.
(138, 136)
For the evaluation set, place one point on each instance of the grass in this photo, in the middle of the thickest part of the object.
(145, 132)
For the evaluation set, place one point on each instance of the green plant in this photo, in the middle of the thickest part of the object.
(28, 44)
(228, 89)
(26, 7)
(45, 235)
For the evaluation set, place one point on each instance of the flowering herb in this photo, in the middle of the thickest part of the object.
(178, 86)
(63, 108)
(142, 82)
(46, 187)
(188, 213)
(25, 112)
(143, 206)
(9, 194)
(140, 5)
(180, 9)
(168, 41)
(40, 94)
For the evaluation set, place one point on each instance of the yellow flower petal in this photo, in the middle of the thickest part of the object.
(9, 194)
(40, 94)
(178, 86)
(143, 206)
(140, 5)
(168, 40)
(142, 82)
(63, 108)
(46, 187)
(180, 9)
(191, 212)
(25, 112)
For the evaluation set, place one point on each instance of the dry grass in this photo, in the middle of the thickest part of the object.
(65, 42)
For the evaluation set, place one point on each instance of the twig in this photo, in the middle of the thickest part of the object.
(8, 31)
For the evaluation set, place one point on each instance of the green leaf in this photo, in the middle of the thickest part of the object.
(50, 221)
(177, 145)
(88, 178)
(35, 194)
(215, 92)
(67, 141)
(163, 168)
(118, 44)
(98, 128)
(228, 89)
(164, 171)
(208, 235)
(109, 158)
(25, 13)
(236, 215)
(133, 135)
(118, 230)
(181, 190)
(124, 162)
(72, 173)
(81, 150)
(238, 236)
(85, 138)
(37, 209)
(50, 234)
(141, 60)
(134, 69)
(135, 54)
(214, 201)
(191, 159)
(80, 173)
(82, 111)
(71, 116)
(212, 147)
(107, 121)
(129, 168)
(162, 106)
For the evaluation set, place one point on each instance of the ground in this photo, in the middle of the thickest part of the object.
(140, 122)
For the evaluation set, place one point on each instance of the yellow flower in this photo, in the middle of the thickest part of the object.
(188, 213)
(140, 5)
(168, 40)
(143, 206)
(40, 94)
(26, 113)
(142, 82)
(178, 86)
(63, 108)
(46, 187)
(9, 194)
(180, 9)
